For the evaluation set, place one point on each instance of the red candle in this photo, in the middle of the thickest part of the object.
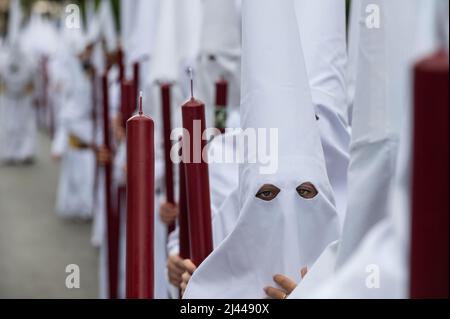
(429, 240)
(127, 101)
(136, 80)
(197, 181)
(185, 249)
(167, 129)
(94, 114)
(132, 98)
(140, 206)
(112, 216)
(123, 102)
(120, 59)
(221, 104)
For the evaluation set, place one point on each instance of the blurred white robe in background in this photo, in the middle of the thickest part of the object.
(17, 114)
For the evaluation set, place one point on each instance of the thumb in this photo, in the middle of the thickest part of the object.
(303, 272)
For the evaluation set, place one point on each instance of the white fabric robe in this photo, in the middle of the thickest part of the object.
(382, 250)
(289, 232)
(17, 114)
(76, 182)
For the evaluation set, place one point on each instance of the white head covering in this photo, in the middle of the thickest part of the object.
(40, 36)
(141, 41)
(220, 18)
(289, 232)
(73, 39)
(108, 25)
(323, 32)
(17, 70)
(177, 38)
(383, 247)
(353, 45)
(15, 20)
(375, 131)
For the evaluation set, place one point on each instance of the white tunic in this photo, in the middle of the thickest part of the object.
(76, 183)
(17, 114)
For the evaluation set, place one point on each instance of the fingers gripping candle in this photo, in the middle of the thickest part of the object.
(140, 206)
(197, 180)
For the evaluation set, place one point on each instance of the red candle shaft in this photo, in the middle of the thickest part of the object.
(112, 216)
(197, 182)
(140, 207)
(136, 79)
(124, 102)
(120, 60)
(222, 93)
(221, 104)
(132, 98)
(167, 129)
(429, 241)
(128, 101)
(185, 249)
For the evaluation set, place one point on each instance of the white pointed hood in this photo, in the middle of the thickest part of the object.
(15, 20)
(141, 41)
(289, 232)
(322, 29)
(220, 17)
(177, 38)
(108, 25)
(164, 65)
(386, 58)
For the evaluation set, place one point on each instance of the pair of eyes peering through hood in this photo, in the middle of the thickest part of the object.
(269, 192)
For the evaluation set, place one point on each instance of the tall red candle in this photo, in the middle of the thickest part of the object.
(128, 101)
(429, 238)
(94, 115)
(112, 216)
(183, 221)
(132, 98)
(123, 102)
(197, 181)
(221, 104)
(136, 79)
(167, 129)
(120, 62)
(140, 206)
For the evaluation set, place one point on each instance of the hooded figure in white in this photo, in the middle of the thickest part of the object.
(74, 134)
(324, 46)
(287, 217)
(17, 81)
(176, 47)
(372, 259)
(220, 55)
(323, 35)
(17, 114)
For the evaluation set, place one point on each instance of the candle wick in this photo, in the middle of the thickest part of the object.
(140, 103)
(191, 75)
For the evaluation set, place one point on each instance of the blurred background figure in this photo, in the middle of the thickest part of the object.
(17, 88)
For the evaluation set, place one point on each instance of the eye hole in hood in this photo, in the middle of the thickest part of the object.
(307, 190)
(268, 192)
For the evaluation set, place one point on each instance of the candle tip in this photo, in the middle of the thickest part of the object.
(140, 103)
(191, 76)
